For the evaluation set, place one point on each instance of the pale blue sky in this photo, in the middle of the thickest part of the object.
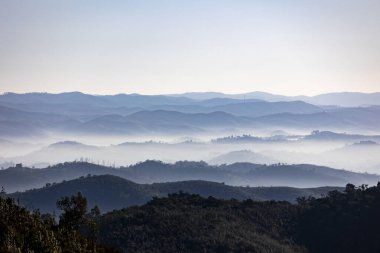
(288, 47)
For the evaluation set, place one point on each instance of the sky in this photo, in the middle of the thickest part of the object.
(288, 47)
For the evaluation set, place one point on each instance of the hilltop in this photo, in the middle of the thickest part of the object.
(111, 192)
(236, 174)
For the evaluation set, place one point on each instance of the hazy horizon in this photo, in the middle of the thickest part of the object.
(281, 47)
(186, 92)
(270, 60)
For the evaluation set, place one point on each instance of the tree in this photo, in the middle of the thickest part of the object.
(3, 192)
(95, 212)
(74, 211)
(350, 189)
(92, 229)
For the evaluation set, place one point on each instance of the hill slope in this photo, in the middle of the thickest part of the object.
(111, 192)
(238, 174)
(190, 223)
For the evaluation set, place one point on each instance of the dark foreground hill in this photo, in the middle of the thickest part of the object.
(190, 223)
(345, 221)
(339, 222)
(237, 174)
(111, 192)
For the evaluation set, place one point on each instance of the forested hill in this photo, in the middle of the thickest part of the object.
(345, 221)
(111, 192)
(238, 174)
(340, 222)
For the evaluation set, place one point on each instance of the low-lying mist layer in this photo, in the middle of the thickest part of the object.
(41, 129)
(352, 152)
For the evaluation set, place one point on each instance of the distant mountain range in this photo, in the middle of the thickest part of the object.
(331, 136)
(30, 122)
(346, 99)
(238, 174)
(111, 192)
(41, 114)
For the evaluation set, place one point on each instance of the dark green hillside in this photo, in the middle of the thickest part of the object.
(345, 221)
(190, 223)
(340, 222)
(111, 192)
(222, 191)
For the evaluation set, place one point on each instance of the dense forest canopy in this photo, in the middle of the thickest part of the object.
(25, 231)
(339, 222)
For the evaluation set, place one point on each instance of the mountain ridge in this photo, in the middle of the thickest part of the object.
(150, 171)
(111, 192)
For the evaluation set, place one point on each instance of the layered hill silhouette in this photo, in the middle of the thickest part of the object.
(345, 99)
(111, 192)
(36, 114)
(183, 222)
(237, 174)
(320, 147)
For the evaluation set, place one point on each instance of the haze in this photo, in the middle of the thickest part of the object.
(40, 129)
(225, 82)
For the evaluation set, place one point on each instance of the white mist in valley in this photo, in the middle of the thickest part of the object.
(42, 129)
(359, 154)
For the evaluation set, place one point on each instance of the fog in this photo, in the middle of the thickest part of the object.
(41, 129)
(360, 154)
